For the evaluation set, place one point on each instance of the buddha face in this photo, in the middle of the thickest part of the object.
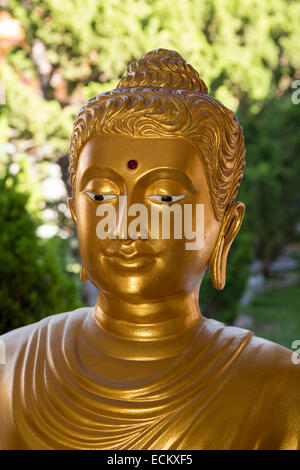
(166, 170)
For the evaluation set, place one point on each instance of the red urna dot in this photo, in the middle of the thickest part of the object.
(132, 164)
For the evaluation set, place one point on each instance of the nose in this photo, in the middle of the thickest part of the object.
(131, 197)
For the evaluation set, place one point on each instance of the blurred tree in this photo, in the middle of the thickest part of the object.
(241, 48)
(247, 52)
(33, 279)
(271, 187)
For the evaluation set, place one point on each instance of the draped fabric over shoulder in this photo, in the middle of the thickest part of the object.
(62, 392)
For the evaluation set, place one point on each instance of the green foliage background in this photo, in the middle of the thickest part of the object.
(248, 53)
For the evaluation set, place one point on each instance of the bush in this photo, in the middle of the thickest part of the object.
(271, 185)
(33, 280)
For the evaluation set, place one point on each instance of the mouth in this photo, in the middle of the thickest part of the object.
(131, 262)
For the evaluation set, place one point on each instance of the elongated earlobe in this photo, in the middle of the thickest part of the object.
(83, 274)
(231, 224)
(217, 275)
(72, 209)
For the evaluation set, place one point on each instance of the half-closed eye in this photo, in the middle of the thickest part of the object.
(101, 197)
(166, 198)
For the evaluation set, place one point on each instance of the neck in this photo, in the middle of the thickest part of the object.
(152, 320)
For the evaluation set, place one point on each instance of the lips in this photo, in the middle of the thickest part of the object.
(129, 256)
(134, 261)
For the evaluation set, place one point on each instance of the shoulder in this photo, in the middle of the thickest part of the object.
(247, 359)
(271, 366)
(261, 358)
(256, 401)
(259, 353)
(14, 340)
(14, 343)
(17, 348)
(266, 382)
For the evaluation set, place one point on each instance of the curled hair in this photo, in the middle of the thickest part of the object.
(162, 95)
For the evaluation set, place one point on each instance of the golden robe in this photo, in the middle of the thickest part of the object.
(61, 389)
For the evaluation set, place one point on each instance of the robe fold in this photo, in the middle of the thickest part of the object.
(62, 389)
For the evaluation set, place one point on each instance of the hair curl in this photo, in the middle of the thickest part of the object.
(162, 95)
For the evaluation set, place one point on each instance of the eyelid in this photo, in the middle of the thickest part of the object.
(175, 198)
(106, 197)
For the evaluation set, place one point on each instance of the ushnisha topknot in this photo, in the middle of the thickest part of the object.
(166, 69)
(162, 96)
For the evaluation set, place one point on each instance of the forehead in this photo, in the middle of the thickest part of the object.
(166, 155)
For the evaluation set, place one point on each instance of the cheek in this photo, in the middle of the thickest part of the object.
(198, 248)
(180, 266)
(86, 225)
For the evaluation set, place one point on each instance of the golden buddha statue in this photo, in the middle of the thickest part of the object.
(144, 369)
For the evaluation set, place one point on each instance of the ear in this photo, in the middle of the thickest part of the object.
(83, 274)
(231, 224)
(71, 206)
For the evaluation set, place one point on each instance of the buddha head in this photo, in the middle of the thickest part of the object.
(158, 139)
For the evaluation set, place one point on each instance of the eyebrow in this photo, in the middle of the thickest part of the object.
(168, 173)
(99, 172)
(151, 176)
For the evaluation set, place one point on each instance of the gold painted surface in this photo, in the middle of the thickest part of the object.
(144, 369)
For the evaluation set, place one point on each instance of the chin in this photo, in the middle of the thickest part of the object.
(140, 287)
